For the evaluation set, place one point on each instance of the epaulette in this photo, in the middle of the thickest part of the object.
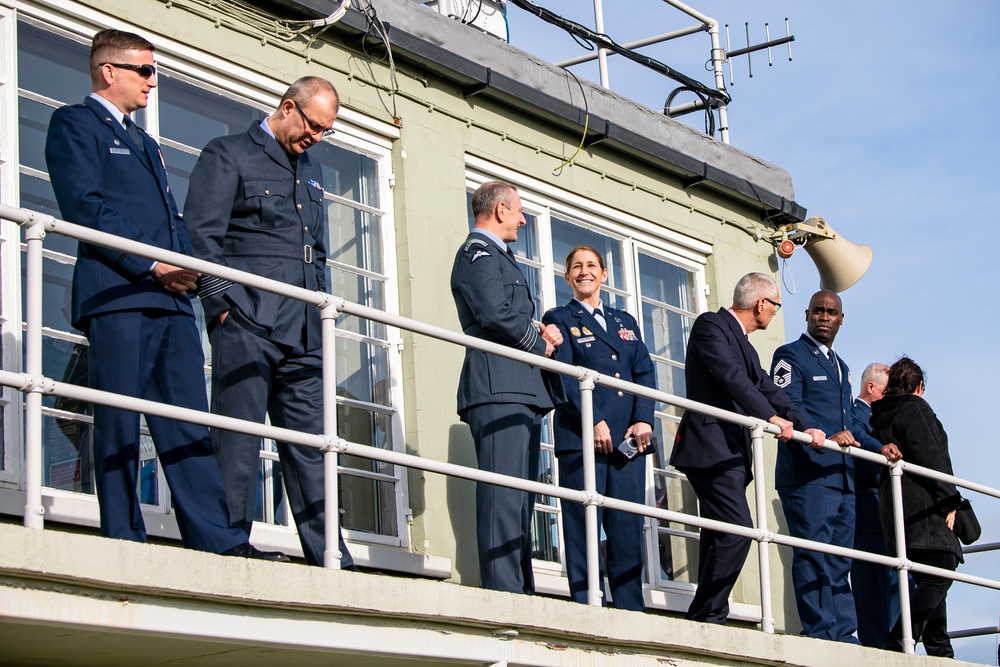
(474, 241)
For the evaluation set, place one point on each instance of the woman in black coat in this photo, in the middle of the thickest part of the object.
(903, 417)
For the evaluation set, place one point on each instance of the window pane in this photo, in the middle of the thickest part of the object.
(677, 556)
(365, 427)
(179, 165)
(68, 362)
(37, 195)
(665, 332)
(545, 537)
(52, 66)
(566, 236)
(368, 505)
(671, 380)
(194, 116)
(353, 237)
(56, 293)
(32, 124)
(347, 174)
(66, 455)
(359, 289)
(362, 370)
(664, 282)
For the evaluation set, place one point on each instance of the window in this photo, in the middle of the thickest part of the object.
(184, 113)
(655, 280)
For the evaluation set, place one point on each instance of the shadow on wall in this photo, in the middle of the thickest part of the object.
(461, 495)
(791, 615)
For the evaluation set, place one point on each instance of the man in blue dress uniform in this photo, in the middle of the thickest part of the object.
(501, 400)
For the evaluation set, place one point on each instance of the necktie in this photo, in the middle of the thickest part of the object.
(134, 133)
(599, 316)
(833, 361)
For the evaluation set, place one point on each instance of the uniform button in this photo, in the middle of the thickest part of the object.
(618, 375)
(614, 357)
(267, 192)
(306, 228)
(621, 393)
(298, 206)
(298, 182)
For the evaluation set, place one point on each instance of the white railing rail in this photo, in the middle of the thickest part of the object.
(34, 385)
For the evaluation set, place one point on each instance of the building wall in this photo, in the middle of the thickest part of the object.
(438, 129)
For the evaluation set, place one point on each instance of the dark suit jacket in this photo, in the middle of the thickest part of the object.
(102, 181)
(722, 369)
(816, 388)
(865, 473)
(250, 208)
(618, 352)
(495, 304)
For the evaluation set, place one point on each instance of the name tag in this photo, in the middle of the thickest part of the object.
(585, 340)
(120, 151)
(819, 378)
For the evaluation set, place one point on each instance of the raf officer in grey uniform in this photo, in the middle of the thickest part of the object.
(501, 400)
(256, 204)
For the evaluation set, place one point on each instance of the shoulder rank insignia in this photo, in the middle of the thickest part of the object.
(474, 241)
(783, 374)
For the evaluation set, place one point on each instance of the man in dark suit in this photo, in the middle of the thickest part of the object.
(255, 203)
(723, 370)
(501, 400)
(876, 597)
(108, 175)
(816, 487)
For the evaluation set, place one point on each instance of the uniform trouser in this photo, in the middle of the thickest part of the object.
(616, 477)
(156, 356)
(253, 377)
(928, 606)
(722, 497)
(822, 590)
(507, 437)
(875, 587)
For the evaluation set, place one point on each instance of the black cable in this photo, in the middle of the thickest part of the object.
(606, 42)
(709, 114)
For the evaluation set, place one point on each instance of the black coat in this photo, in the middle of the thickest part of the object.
(910, 423)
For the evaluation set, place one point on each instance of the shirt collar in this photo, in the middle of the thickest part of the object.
(491, 236)
(733, 313)
(591, 309)
(117, 113)
(822, 348)
(267, 128)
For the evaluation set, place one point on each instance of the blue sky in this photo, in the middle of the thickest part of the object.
(884, 119)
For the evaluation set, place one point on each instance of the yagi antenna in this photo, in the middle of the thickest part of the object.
(766, 44)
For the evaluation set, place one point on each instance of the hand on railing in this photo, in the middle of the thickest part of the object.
(844, 439)
(891, 452)
(553, 337)
(787, 427)
(175, 279)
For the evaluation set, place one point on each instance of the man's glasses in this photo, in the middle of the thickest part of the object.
(145, 71)
(777, 306)
(314, 128)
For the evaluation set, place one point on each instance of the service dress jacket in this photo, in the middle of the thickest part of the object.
(251, 207)
(494, 303)
(908, 421)
(102, 180)
(722, 369)
(823, 393)
(618, 352)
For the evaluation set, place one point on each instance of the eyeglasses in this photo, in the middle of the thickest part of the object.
(145, 71)
(777, 306)
(314, 128)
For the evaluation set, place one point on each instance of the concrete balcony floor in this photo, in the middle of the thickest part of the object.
(72, 599)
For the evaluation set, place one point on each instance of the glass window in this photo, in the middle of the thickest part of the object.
(52, 71)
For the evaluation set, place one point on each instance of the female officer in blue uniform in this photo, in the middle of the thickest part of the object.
(607, 341)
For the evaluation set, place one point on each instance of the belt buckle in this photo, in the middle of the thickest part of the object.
(307, 254)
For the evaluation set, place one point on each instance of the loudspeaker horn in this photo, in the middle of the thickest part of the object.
(840, 262)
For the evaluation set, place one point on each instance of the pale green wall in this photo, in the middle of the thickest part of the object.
(438, 127)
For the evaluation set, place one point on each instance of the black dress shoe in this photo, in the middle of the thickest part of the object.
(247, 550)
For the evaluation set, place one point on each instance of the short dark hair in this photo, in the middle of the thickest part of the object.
(109, 45)
(488, 195)
(303, 90)
(583, 248)
(904, 377)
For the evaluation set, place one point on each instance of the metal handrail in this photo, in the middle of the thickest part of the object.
(34, 384)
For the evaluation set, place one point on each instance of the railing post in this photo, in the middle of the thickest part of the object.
(34, 512)
(763, 544)
(332, 554)
(594, 593)
(896, 479)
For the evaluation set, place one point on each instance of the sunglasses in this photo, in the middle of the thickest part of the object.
(145, 71)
